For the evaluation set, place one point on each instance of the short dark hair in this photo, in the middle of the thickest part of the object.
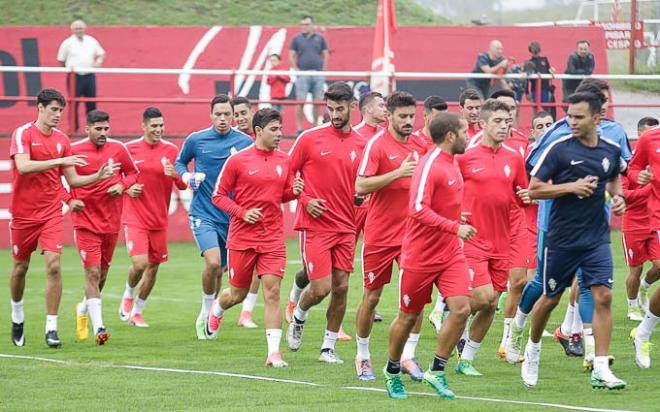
(435, 102)
(49, 95)
(96, 116)
(591, 87)
(540, 115)
(442, 124)
(647, 121)
(583, 41)
(469, 94)
(221, 98)
(240, 100)
(594, 101)
(400, 99)
(600, 83)
(503, 92)
(491, 106)
(367, 98)
(151, 112)
(339, 92)
(307, 16)
(534, 47)
(275, 55)
(264, 116)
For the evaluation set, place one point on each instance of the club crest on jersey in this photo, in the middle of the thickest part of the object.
(59, 148)
(353, 155)
(110, 161)
(415, 156)
(406, 300)
(233, 150)
(371, 277)
(552, 283)
(507, 170)
(163, 161)
(606, 164)
(278, 169)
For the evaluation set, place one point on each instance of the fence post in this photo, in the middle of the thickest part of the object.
(232, 83)
(537, 98)
(72, 102)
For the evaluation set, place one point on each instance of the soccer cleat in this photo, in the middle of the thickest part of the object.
(563, 340)
(125, 308)
(52, 340)
(275, 360)
(82, 324)
(412, 368)
(343, 336)
(465, 367)
(438, 381)
(575, 345)
(294, 335)
(137, 320)
(212, 326)
(290, 307)
(245, 320)
(642, 350)
(635, 313)
(17, 334)
(330, 356)
(501, 302)
(546, 334)
(606, 379)
(529, 371)
(364, 370)
(435, 317)
(394, 385)
(501, 352)
(643, 298)
(459, 348)
(200, 328)
(588, 362)
(377, 317)
(513, 344)
(102, 336)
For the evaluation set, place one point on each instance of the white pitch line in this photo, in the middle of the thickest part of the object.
(295, 382)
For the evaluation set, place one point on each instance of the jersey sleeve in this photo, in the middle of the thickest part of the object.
(639, 160)
(178, 182)
(185, 156)
(520, 179)
(224, 185)
(287, 194)
(298, 155)
(420, 207)
(128, 169)
(370, 159)
(20, 143)
(547, 165)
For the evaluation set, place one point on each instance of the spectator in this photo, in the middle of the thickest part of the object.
(277, 83)
(538, 64)
(580, 62)
(81, 51)
(491, 61)
(308, 51)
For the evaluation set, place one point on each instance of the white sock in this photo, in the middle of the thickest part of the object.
(466, 330)
(410, 346)
(565, 327)
(294, 295)
(520, 318)
(439, 304)
(645, 284)
(645, 328)
(218, 309)
(329, 340)
(363, 348)
(577, 325)
(207, 302)
(51, 323)
(94, 305)
(589, 343)
(83, 309)
(505, 331)
(273, 338)
(534, 346)
(17, 314)
(470, 349)
(249, 302)
(128, 291)
(601, 363)
(632, 303)
(300, 314)
(138, 306)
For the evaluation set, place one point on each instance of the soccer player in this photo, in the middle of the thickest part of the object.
(582, 167)
(541, 121)
(260, 180)
(41, 155)
(495, 179)
(210, 148)
(96, 227)
(432, 106)
(388, 162)
(327, 158)
(145, 215)
(469, 105)
(432, 255)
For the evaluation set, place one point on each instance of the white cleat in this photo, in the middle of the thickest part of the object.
(435, 317)
(294, 335)
(275, 361)
(529, 372)
(330, 356)
(513, 344)
(642, 350)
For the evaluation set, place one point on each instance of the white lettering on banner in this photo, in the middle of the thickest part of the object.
(618, 35)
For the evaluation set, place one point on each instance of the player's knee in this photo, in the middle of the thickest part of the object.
(53, 268)
(603, 298)
(93, 273)
(21, 268)
(320, 291)
(214, 268)
(656, 265)
(140, 266)
(340, 290)
(461, 311)
(238, 295)
(408, 320)
(517, 284)
(272, 293)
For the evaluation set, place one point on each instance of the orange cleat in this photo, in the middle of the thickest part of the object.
(290, 306)
(138, 320)
(343, 336)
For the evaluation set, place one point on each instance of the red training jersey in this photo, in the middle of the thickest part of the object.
(473, 129)
(647, 153)
(102, 212)
(388, 206)
(150, 210)
(328, 160)
(37, 196)
(636, 216)
(277, 85)
(258, 179)
(425, 138)
(434, 210)
(366, 132)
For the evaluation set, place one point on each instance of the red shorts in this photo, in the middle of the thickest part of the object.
(360, 219)
(146, 242)
(25, 236)
(323, 251)
(377, 262)
(485, 270)
(640, 247)
(532, 239)
(416, 288)
(95, 248)
(519, 245)
(242, 265)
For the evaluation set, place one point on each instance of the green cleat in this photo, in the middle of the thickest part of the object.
(635, 313)
(438, 381)
(607, 380)
(500, 303)
(466, 368)
(513, 345)
(394, 385)
(200, 325)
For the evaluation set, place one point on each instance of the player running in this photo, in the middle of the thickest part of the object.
(469, 103)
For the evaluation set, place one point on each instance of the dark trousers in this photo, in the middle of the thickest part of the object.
(85, 87)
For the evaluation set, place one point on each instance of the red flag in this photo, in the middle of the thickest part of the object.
(383, 55)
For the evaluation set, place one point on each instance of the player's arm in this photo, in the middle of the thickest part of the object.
(539, 189)
(369, 184)
(75, 180)
(128, 169)
(298, 158)
(186, 154)
(613, 187)
(639, 170)
(521, 185)
(25, 165)
(293, 187)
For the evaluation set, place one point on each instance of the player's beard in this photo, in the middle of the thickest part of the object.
(404, 132)
(339, 123)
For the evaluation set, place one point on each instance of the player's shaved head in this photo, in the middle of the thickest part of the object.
(442, 124)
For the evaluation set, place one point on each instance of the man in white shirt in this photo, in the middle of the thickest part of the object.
(81, 50)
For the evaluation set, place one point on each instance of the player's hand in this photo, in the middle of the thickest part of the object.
(298, 184)
(315, 207)
(407, 166)
(75, 160)
(135, 190)
(585, 187)
(116, 190)
(618, 205)
(465, 216)
(253, 215)
(76, 205)
(193, 180)
(523, 194)
(466, 232)
(108, 170)
(645, 176)
(169, 169)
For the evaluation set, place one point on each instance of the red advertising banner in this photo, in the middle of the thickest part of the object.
(619, 34)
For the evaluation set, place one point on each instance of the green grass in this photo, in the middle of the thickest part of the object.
(92, 377)
(207, 12)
